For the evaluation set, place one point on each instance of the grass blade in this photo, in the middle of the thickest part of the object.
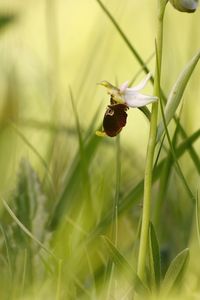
(193, 154)
(81, 148)
(154, 258)
(197, 218)
(175, 271)
(124, 266)
(164, 180)
(177, 92)
(124, 37)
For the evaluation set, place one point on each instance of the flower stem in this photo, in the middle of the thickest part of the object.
(151, 150)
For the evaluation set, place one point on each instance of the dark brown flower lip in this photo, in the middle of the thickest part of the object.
(114, 119)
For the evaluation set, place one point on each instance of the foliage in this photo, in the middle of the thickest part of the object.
(71, 202)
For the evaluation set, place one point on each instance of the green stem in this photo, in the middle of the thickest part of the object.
(150, 151)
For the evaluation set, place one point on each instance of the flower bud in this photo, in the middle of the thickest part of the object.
(185, 5)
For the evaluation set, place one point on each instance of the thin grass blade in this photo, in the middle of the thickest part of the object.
(124, 37)
(197, 219)
(124, 266)
(176, 93)
(81, 148)
(154, 259)
(175, 271)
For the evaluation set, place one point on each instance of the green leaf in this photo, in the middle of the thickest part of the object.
(193, 154)
(177, 93)
(197, 218)
(175, 271)
(154, 259)
(124, 266)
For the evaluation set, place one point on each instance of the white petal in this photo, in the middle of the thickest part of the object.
(138, 100)
(141, 85)
(124, 86)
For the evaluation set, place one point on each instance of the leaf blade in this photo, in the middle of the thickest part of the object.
(177, 91)
(122, 263)
(154, 248)
(175, 271)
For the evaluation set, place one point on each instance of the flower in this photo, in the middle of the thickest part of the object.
(185, 5)
(120, 100)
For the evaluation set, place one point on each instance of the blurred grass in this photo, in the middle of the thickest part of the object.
(56, 174)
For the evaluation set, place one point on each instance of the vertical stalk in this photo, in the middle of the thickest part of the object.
(117, 189)
(151, 148)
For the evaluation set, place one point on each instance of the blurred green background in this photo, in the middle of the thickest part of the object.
(49, 51)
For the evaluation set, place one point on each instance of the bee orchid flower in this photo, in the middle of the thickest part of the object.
(120, 100)
(188, 6)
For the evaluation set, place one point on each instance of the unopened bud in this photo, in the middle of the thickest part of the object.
(185, 5)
